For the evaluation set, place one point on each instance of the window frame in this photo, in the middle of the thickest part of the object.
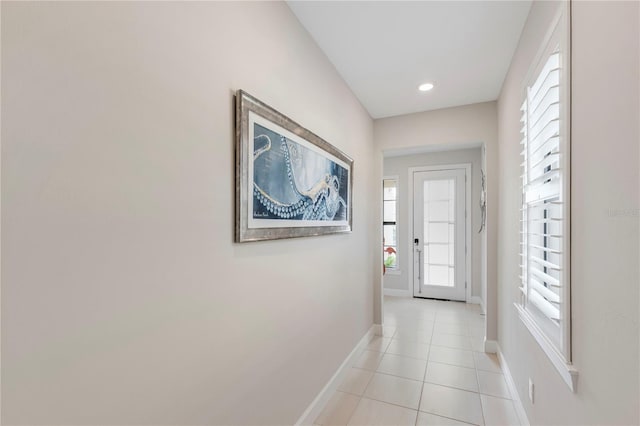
(558, 36)
(395, 270)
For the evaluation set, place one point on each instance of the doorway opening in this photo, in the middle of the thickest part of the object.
(439, 238)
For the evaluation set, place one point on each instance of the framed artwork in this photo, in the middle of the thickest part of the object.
(289, 182)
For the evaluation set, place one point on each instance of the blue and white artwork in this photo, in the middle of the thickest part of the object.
(294, 183)
(290, 182)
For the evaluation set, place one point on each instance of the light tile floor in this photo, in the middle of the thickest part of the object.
(428, 368)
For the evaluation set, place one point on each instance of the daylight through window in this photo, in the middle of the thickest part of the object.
(389, 226)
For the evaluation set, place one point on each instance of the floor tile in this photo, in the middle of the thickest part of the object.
(477, 344)
(452, 375)
(427, 419)
(376, 413)
(338, 410)
(424, 323)
(389, 317)
(388, 331)
(369, 360)
(452, 403)
(411, 324)
(447, 306)
(487, 362)
(416, 335)
(498, 411)
(427, 315)
(451, 356)
(476, 321)
(394, 390)
(410, 368)
(355, 381)
(493, 384)
(451, 317)
(379, 343)
(450, 336)
(451, 341)
(409, 348)
(419, 312)
(476, 330)
(474, 307)
(448, 328)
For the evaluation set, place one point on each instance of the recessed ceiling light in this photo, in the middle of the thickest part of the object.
(425, 87)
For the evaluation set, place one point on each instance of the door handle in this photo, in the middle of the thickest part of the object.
(419, 269)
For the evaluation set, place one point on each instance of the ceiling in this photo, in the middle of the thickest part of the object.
(385, 50)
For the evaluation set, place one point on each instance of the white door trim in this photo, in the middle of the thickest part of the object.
(467, 169)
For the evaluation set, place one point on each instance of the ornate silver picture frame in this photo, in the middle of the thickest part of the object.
(289, 182)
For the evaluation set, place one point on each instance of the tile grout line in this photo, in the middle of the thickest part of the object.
(354, 411)
(450, 387)
(389, 403)
(433, 383)
(365, 389)
(417, 410)
(420, 399)
(484, 421)
(422, 387)
(467, 317)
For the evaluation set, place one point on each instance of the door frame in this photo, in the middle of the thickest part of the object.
(468, 211)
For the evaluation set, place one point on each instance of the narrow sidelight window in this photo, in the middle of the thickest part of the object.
(389, 226)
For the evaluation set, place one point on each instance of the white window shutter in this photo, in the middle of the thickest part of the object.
(545, 292)
(542, 200)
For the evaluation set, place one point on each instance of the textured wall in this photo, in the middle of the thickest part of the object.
(604, 246)
(124, 299)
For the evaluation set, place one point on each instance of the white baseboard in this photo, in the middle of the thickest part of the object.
(397, 293)
(517, 403)
(377, 329)
(316, 406)
(490, 346)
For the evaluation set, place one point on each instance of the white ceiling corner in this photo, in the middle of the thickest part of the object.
(385, 49)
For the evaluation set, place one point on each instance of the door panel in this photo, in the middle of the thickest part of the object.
(439, 231)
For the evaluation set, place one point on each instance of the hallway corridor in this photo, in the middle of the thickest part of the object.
(427, 369)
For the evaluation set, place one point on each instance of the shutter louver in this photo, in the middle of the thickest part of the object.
(542, 200)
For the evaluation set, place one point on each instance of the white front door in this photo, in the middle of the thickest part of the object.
(439, 229)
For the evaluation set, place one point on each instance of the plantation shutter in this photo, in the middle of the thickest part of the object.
(542, 198)
(545, 235)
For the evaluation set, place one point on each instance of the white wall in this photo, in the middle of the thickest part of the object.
(604, 261)
(399, 166)
(124, 299)
(452, 128)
